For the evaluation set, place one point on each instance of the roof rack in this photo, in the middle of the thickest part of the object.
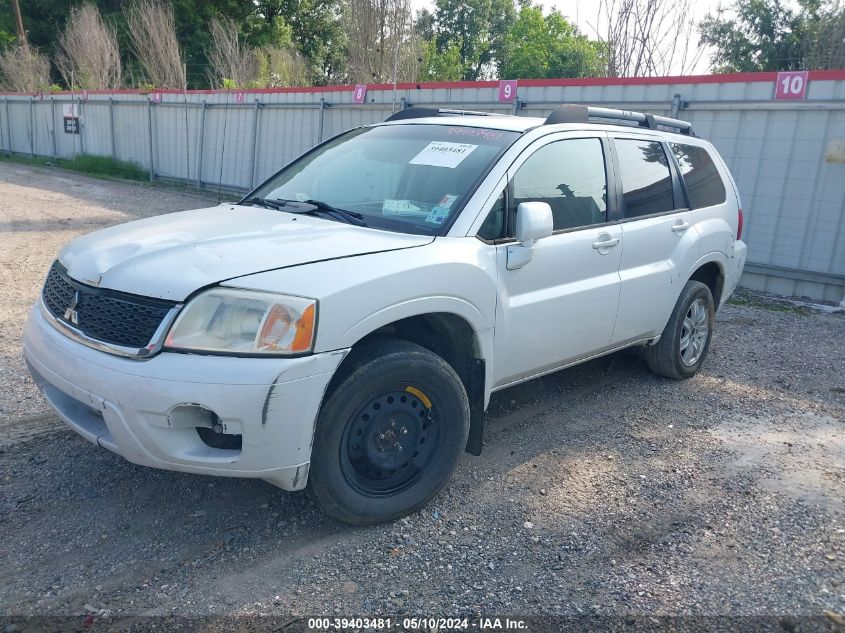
(420, 113)
(572, 113)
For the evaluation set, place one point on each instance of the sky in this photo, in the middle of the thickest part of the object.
(585, 13)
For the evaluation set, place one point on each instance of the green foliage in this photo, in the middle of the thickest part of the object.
(280, 67)
(538, 46)
(768, 35)
(105, 167)
(316, 33)
(100, 166)
(477, 28)
(441, 65)
(302, 41)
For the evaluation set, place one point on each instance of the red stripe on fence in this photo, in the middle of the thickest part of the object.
(815, 75)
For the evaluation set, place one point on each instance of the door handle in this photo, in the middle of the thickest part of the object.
(680, 226)
(607, 242)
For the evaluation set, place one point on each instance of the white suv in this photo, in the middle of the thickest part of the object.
(346, 322)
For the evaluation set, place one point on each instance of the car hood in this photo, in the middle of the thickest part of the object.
(171, 256)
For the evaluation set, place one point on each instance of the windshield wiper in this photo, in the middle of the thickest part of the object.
(349, 217)
(266, 203)
(308, 207)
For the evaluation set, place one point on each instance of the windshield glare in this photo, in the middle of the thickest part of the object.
(409, 178)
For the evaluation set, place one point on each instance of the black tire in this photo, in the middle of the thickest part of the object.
(665, 358)
(389, 393)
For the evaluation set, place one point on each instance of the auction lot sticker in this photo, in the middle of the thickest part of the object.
(443, 154)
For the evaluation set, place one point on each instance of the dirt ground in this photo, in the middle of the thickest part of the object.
(602, 490)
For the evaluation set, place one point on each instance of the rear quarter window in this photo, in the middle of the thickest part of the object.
(703, 182)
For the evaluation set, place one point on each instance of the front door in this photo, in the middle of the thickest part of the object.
(562, 304)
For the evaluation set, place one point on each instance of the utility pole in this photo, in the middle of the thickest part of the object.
(19, 23)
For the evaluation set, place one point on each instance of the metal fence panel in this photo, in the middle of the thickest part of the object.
(794, 199)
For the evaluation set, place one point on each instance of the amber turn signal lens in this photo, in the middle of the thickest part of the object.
(304, 337)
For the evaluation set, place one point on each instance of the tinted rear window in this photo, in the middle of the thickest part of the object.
(704, 184)
(646, 179)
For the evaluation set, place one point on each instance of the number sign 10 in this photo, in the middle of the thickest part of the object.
(791, 85)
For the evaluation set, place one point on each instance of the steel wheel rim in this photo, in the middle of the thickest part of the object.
(694, 332)
(389, 444)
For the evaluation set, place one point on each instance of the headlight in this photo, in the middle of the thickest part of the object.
(245, 321)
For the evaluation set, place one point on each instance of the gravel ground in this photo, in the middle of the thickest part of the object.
(602, 490)
(41, 210)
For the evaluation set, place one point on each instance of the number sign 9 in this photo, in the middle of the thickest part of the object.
(507, 90)
(791, 85)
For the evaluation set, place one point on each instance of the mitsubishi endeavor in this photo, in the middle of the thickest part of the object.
(345, 323)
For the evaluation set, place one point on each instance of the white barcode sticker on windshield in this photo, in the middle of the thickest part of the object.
(443, 154)
(400, 207)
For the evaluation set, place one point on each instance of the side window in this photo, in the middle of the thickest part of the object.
(494, 225)
(646, 179)
(570, 176)
(704, 184)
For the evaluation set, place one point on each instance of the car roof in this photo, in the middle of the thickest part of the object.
(522, 124)
(506, 122)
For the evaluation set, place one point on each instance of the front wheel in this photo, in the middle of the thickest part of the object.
(390, 433)
(686, 338)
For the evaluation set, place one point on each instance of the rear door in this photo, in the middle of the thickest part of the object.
(659, 239)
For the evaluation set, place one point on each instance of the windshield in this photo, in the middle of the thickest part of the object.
(407, 178)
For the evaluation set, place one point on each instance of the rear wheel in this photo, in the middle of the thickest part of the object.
(390, 433)
(686, 338)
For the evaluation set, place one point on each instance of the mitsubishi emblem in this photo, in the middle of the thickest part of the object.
(70, 312)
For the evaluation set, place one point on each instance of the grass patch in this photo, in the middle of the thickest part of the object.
(748, 300)
(101, 166)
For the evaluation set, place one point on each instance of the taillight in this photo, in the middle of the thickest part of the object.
(739, 223)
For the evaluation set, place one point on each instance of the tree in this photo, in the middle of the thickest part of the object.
(232, 64)
(192, 19)
(152, 31)
(379, 36)
(767, 35)
(440, 65)
(648, 37)
(316, 32)
(281, 67)
(548, 47)
(477, 28)
(87, 53)
(24, 69)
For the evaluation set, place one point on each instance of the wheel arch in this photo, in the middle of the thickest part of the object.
(451, 336)
(710, 270)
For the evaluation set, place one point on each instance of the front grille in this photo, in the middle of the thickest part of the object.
(106, 315)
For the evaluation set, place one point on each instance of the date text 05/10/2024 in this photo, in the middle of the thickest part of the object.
(416, 624)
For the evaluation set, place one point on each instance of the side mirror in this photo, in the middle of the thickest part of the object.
(534, 221)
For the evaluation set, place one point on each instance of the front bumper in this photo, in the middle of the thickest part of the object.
(137, 408)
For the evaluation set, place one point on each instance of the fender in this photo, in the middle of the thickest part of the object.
(416, 307)
(717, 257)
